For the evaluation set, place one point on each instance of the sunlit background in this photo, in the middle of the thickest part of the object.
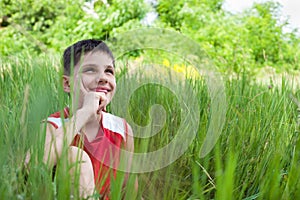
(290, 9)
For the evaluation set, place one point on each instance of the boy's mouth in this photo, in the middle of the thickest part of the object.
(102, 89)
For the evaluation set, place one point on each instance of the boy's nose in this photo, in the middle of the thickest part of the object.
(101, 78)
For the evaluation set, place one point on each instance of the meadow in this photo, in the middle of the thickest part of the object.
(255, 157)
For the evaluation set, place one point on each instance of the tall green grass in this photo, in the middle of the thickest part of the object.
(256, 156)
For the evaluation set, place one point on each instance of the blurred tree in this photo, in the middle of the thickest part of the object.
(266, 38)
(255, 38)
(58, 24)
(168, 11)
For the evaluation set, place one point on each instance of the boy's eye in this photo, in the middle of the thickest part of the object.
(111, 71)
(89, 70)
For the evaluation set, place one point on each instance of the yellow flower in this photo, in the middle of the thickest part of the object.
(166, 62)
(178, 68)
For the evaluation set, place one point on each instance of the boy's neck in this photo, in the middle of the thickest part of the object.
(91, 130)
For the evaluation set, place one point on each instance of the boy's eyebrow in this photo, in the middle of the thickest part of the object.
(90, 65)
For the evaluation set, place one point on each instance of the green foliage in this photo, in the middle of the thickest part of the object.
(267, 40)
(246, 41)
(171, 11)
(168, 12)
(53, 26)
(30, 22)
(32, 15)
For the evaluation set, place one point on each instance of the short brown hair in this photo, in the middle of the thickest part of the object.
(73, 53)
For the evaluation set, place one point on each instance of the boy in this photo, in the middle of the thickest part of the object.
(101, 135)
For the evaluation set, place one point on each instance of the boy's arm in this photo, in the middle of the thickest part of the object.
(64, 135)
(53, 144)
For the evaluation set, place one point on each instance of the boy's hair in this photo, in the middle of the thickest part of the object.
(73, 53)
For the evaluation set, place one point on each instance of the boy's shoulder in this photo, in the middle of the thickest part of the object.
(115, 124)
(56, 120)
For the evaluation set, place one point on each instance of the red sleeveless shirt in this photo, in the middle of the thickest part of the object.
(104, 150)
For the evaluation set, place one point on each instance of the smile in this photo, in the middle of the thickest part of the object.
(102, 89)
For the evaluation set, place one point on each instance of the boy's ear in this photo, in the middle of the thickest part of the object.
(66, 83)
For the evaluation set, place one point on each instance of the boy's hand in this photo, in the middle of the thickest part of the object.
(93, 103)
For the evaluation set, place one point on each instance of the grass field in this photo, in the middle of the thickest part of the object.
(257, 155)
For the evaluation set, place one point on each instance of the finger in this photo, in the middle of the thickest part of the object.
(79, 87)
(102, 102)
(92, 100)
(102, 105)
(82, 87)
(101, 96)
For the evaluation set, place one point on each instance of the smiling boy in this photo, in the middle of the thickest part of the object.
(94, 135)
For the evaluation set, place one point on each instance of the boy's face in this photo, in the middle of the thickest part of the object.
(95, 73)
